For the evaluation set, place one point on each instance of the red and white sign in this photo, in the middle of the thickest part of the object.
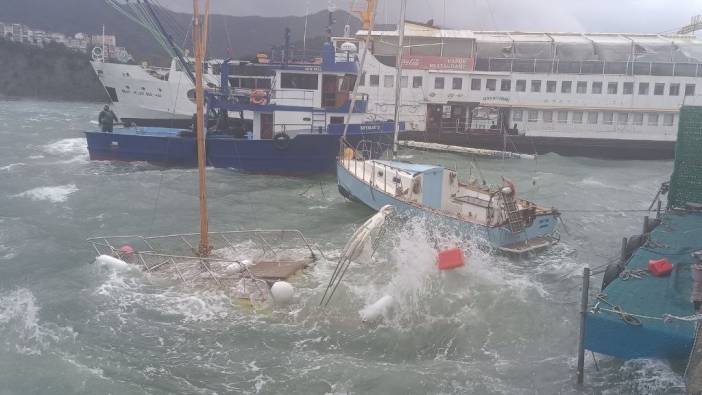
(427, 62)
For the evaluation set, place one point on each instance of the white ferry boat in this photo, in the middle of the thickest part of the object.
(601, 94)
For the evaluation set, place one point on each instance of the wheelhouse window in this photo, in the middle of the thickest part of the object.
(658, 89)
(457, 83)
(491, 84)
(374, 80)
(536, 85)
(417, 81)
(628, 88)
(689, 89)
(597, 88)
(643, 88)
(506, 85)
(562, 116)
(521, 86)
(551, 86)
(566, 86)
(438, 82)
(653, 119)
(548, 116)
(581, 87)
(475, 84)
(592, 117)
(388, 81)
(612, 88)
(674, 90)
(300, 81)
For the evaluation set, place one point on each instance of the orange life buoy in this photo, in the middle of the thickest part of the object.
(259, 96)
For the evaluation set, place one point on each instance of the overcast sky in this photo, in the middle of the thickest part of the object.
(645, 16)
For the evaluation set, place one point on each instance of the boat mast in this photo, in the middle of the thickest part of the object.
(368, 17)
(199, 46)
(398, 76)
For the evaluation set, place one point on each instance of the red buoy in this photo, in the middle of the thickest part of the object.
(660, 267)
(451, 259)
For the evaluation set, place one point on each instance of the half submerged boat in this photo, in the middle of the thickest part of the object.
(640, 311)
(494, 215)
(297, 111)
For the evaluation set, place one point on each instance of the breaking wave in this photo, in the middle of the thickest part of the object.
(55, 194)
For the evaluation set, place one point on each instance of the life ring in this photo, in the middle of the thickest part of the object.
(258, 96)
(281, 141)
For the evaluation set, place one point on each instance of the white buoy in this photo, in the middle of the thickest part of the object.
(235, 267)
(282, 292)
(110, 260)
(247, 262)
(373, 311)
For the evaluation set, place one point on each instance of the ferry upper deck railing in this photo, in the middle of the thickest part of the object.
(551, 66)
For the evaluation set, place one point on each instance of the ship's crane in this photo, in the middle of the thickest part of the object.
(695, 25)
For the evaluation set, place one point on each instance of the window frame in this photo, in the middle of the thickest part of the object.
(436, 83)
(520, 86)
(417, 81)
(473, 84)
(460, 83)
(537, 85)
(674, 89)
(566, 87)
(596, 85)
(581, 87)
(644, 87)
(551, 86)
(506, 85)
(630, 90)
(612, 88)
(373, 77)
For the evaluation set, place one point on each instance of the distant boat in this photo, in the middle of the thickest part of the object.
(495, 215)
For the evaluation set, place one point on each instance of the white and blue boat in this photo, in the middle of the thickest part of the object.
(494, 215)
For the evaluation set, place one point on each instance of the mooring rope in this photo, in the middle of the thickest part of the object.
(633, 319)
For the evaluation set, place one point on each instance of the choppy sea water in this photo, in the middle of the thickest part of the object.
(495, 326)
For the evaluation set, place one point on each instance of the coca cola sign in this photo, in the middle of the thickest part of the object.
(427, 62)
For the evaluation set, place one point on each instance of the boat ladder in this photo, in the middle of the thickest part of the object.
(319, 121)
(516, 225)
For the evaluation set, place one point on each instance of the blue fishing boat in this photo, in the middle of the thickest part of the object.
(641, 312)
(268, 117)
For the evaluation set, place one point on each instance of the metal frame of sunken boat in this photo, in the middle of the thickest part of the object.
(512, 225)
(243, 264)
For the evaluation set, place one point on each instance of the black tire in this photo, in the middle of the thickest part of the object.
(281, 141)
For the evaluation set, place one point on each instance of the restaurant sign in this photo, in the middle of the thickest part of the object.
(427, 62)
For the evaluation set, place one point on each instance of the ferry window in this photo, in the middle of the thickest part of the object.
(562, 116)
(533, 115)
(416, 82)
(674, 90)
(548, 116)
(388, 81)
(658, 89)
(362, 82)
(643, 88)
(298, 81)
(438, 82)
(404, 81)
(566, 86)
(457, 83)
(577, 117)
(550, 86)
(536, 85)
(506, 85)
(638, 118)
(608, 117)
(475, 84)
(374, 80)
(263, 83)
(612, 88)
(521, 86)
(668, 119)
(248, 83)
(597, 88)
(689, 89)
(622, 118)
(653, 119)
(628, 88)
(491, 84)
(581, 87)
(592, 117)
(517, 115)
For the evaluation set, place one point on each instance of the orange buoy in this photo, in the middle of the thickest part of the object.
(451, 259)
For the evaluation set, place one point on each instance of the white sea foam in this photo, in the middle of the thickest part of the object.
(20, 325)
(56, 194)
(67, 146)
(9, 167)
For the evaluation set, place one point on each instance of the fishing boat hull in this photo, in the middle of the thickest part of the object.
(541, 232)
(301, 154)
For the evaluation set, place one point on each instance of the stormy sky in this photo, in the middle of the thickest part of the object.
(644, 16)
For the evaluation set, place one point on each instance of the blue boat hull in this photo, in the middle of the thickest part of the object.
(302, 154)
(355, 189)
